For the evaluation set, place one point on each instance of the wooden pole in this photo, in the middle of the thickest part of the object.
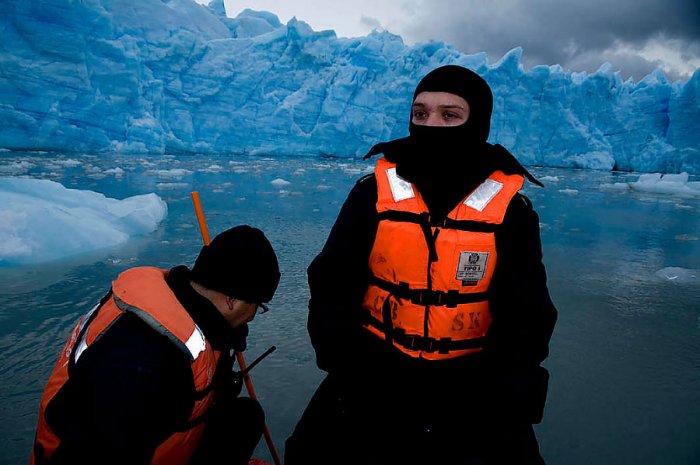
(239, 356)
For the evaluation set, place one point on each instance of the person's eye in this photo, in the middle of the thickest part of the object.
(448, 115)
(419, 114)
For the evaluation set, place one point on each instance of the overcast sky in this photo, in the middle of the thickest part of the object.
(635, 36)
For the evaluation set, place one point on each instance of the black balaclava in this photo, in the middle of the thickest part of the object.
(447, 162)
(475, 131)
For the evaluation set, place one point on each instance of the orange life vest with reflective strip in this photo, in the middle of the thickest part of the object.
(143, 292)
(429, 290)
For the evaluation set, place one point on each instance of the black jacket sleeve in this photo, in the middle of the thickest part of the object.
(126, 394)
(522, 311)
(523, 314)
(523, 318)
(338, 278)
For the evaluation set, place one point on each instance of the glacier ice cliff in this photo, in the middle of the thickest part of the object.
(174, 76)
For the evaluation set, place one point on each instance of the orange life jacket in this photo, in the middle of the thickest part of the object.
(429, 290)
(143, 292)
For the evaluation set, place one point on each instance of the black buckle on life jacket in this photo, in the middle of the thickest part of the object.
(422, 297)
(421, 343)
(426, 297)
(437, 222)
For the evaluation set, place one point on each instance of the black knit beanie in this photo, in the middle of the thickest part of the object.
(240, 263)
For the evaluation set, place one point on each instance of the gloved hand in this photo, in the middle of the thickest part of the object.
(520, 394)
(235, 379)
(234, 384)
(240, 333)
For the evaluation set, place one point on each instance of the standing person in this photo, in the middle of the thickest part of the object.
(146, 376)
(429, 306)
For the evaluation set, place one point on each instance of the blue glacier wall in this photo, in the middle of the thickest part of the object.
(174, 76)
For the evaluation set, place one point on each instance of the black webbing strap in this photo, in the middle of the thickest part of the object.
(427, 297)
(199, 395)
(388, 323)
(422, 343)
(421, 219)
(467, 225)
(429, 344)
(405, 217)
(448, 223)
(223, 369)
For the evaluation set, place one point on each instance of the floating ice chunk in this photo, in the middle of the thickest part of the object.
(175, 173)
(11, 245)
(171, 185)
(679, 275)
(16, 168)
(279, 182)
(213, 169)
(569, 191)
(671, 184)
(68, 163)
(549, 179)
(117, 172)
(42, 221)
(617, 186)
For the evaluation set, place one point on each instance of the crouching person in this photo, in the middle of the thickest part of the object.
(146, 376)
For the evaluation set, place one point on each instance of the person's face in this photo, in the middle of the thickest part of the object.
(439, 109)
(238, 312)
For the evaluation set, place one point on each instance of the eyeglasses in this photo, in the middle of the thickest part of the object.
(262, 308)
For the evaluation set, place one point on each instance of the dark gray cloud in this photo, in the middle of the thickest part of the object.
(578, 34)
(371, 23)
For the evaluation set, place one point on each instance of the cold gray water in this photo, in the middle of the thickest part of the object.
(625, 355)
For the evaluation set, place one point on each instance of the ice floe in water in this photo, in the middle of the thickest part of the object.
(41, 220)
(679, 275)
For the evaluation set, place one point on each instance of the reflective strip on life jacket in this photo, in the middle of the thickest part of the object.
(428, 296)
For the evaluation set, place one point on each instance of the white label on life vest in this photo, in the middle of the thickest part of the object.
(400, 189)
(483, 194)
(472, 266)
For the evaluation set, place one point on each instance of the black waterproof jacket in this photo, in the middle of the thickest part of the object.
(134, 388)
(506, 375)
